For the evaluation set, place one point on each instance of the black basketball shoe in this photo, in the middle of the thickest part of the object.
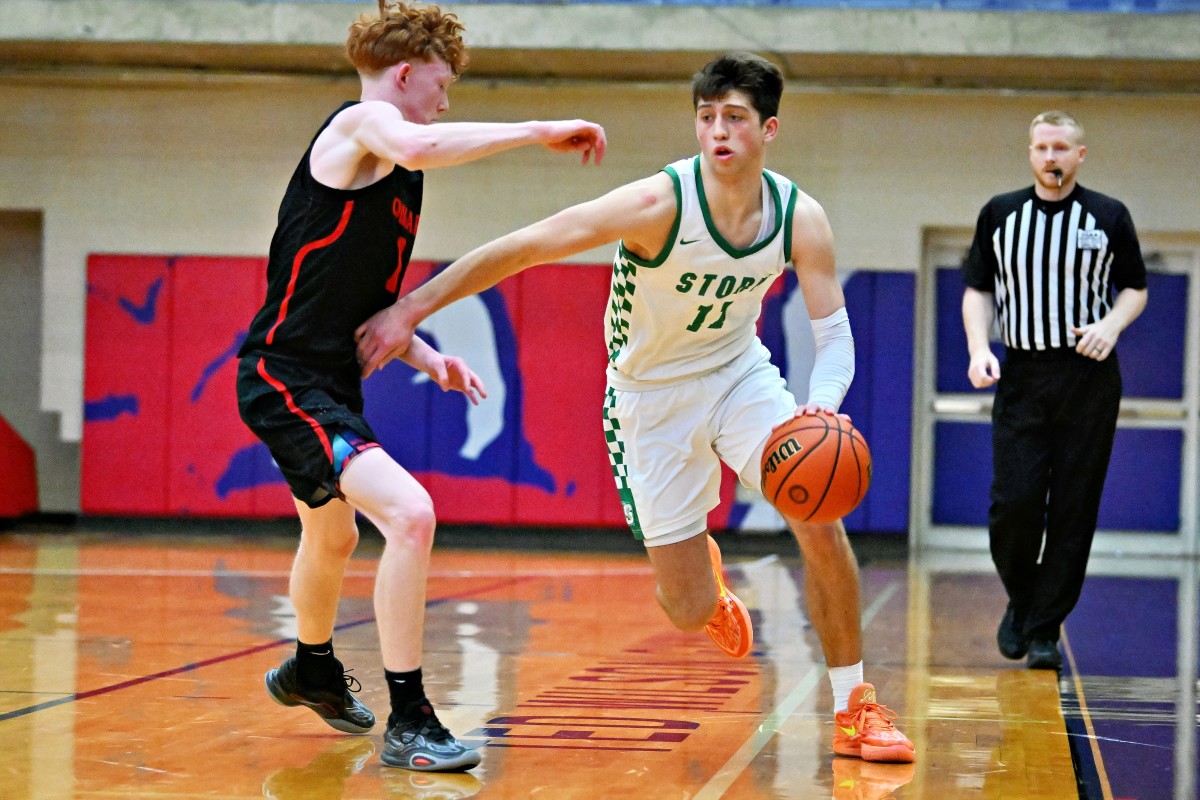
(420, 742)
(1043, 654)
(333, 702)
(1009, 639)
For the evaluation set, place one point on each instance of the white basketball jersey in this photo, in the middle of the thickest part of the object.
(696, 305)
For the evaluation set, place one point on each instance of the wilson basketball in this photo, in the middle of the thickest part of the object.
(816, 468)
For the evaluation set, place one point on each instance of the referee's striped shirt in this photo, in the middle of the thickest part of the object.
(1053, 265)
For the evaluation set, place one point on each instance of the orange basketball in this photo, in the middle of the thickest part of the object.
(816, 468)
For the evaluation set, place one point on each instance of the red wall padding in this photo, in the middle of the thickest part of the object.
(215, 300)
(18, 465)
(562, 360)
(162, 434)
(127, 356)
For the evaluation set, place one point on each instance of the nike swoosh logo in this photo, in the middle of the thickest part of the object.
(848, 731)
(322, 653)
(688, 241)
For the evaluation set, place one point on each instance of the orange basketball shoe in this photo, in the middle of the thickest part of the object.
(730, 626)
(865, 730)
(861, 780)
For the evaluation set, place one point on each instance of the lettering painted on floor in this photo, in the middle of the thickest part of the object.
(647, 699)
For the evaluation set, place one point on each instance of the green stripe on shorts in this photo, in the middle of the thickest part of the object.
(616, 458)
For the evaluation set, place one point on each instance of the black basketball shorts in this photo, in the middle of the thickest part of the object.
(310, 420)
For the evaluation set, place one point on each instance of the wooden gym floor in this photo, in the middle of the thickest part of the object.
(132, 659)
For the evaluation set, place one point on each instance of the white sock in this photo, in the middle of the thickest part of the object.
(844, 679)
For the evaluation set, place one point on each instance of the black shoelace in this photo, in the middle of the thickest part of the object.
(427, 725)
(351, 682)
(433, 729)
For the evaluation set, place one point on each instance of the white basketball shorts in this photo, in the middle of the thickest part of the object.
(666, 444)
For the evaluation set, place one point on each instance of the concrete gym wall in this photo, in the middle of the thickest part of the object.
(164, 165)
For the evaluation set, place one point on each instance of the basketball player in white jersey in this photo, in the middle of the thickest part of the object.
(689, 382)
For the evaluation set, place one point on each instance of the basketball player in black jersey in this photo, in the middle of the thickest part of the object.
(344, 238)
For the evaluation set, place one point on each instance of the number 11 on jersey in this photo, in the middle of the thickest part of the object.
(702, 313)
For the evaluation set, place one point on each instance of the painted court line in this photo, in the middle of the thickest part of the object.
(1101, 772)
(735, 766)
(115, 687)
(284, 573)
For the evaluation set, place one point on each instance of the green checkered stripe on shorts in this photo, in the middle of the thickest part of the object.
(616, 458)
(620, 302)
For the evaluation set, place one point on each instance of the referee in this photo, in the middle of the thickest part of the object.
(1059, 267)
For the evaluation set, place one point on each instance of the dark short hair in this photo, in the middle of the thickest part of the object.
(753, 75)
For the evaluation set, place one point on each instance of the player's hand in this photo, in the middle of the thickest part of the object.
(453, 374)
(984, 369)
(812, 409)
(1095, 340)
(577, 135)
(384, 336)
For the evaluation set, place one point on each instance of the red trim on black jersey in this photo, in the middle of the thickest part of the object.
(300, 255)
(295, 409)
(393, 283)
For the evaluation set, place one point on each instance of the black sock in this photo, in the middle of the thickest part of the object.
(404, 689)
(315, 663)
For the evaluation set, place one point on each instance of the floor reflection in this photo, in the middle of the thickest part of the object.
(131, 665)
(322, 776)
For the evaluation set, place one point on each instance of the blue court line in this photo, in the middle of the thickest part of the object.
(71, 698)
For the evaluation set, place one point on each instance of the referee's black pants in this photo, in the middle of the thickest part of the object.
(1053, 422)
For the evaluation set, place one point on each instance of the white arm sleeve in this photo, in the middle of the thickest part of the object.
(833, 368)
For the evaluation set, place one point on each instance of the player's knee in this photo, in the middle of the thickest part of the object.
(332, 542)
(687, 611)
(411, 522)
(347, 542)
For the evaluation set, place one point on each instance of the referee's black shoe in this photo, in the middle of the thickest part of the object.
(1009, 639)
(1043, 654)
(333, 702)
(420, 742)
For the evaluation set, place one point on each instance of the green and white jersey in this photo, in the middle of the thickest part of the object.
(695, 307)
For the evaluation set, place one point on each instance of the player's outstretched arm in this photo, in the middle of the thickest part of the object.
(635, 211)
(375, 131)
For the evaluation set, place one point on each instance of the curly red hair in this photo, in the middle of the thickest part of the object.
(404, 33)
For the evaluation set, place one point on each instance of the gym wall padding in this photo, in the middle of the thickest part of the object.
(127, 356)
(18, 465)
(162, 435)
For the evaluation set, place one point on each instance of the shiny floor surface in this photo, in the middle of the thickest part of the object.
(131, 666)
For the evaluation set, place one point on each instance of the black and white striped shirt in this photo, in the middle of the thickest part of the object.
(1053, 265)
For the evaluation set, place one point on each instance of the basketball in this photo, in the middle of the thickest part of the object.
(816, 468)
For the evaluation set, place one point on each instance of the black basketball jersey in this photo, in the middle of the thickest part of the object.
(1053, 265)
(337, 257)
